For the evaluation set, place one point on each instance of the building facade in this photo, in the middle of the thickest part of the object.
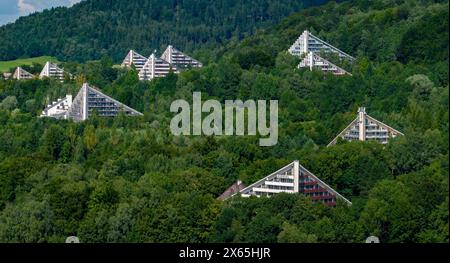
(51, 70)
(308, 47)
(86, 102)
(179, 59)
(134, 58)
(312, 60)
(365, 128)
(21, 74)
(156, 67)
(294, 178)
(90, 99)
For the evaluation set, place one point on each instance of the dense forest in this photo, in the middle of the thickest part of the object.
(130, 180)
(94, 28)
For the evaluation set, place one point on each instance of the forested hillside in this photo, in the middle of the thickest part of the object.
(93, 28)
(409, 32)
(131, 180)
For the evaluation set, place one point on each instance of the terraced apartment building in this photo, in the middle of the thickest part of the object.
(51, 70)
(179, 59)
(365, 128)
(88, 101)
(292, 178)
(311, 50)
(21, 74)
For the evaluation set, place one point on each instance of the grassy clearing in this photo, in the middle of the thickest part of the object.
(6, 65)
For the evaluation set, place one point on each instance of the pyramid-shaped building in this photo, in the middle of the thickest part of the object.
(20, 74)
(90, 99)
(179, 59)
(156, 67)
(307, 42)
(365, 128)
(51, 70)
(313, 60)
(134, 58)
(87, 101)
(294, 178)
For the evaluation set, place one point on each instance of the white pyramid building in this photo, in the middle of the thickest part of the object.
(312, 60)
(58, 109)
(90, 99)
(365, 128)
(20, 74)
(307, 42)
(294, 178)
(134, 58)
(155, 67)
(51, 70)
(179, 59)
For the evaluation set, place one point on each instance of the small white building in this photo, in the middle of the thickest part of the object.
(58, 109)
(7, 75)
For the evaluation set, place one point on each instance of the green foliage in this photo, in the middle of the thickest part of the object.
(292, 234)
(253, 57)
(53, 140)
(9, 103)
(425, 40)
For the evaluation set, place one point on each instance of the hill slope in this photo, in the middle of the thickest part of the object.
(131, 180)
(95, 27)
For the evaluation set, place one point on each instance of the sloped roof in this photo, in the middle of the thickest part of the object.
(178, 58)
(307, 42)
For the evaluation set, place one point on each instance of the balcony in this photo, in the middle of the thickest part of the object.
(268, 190)
(307, 191)
(321, 197)
(274, 183)
(308, 183)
